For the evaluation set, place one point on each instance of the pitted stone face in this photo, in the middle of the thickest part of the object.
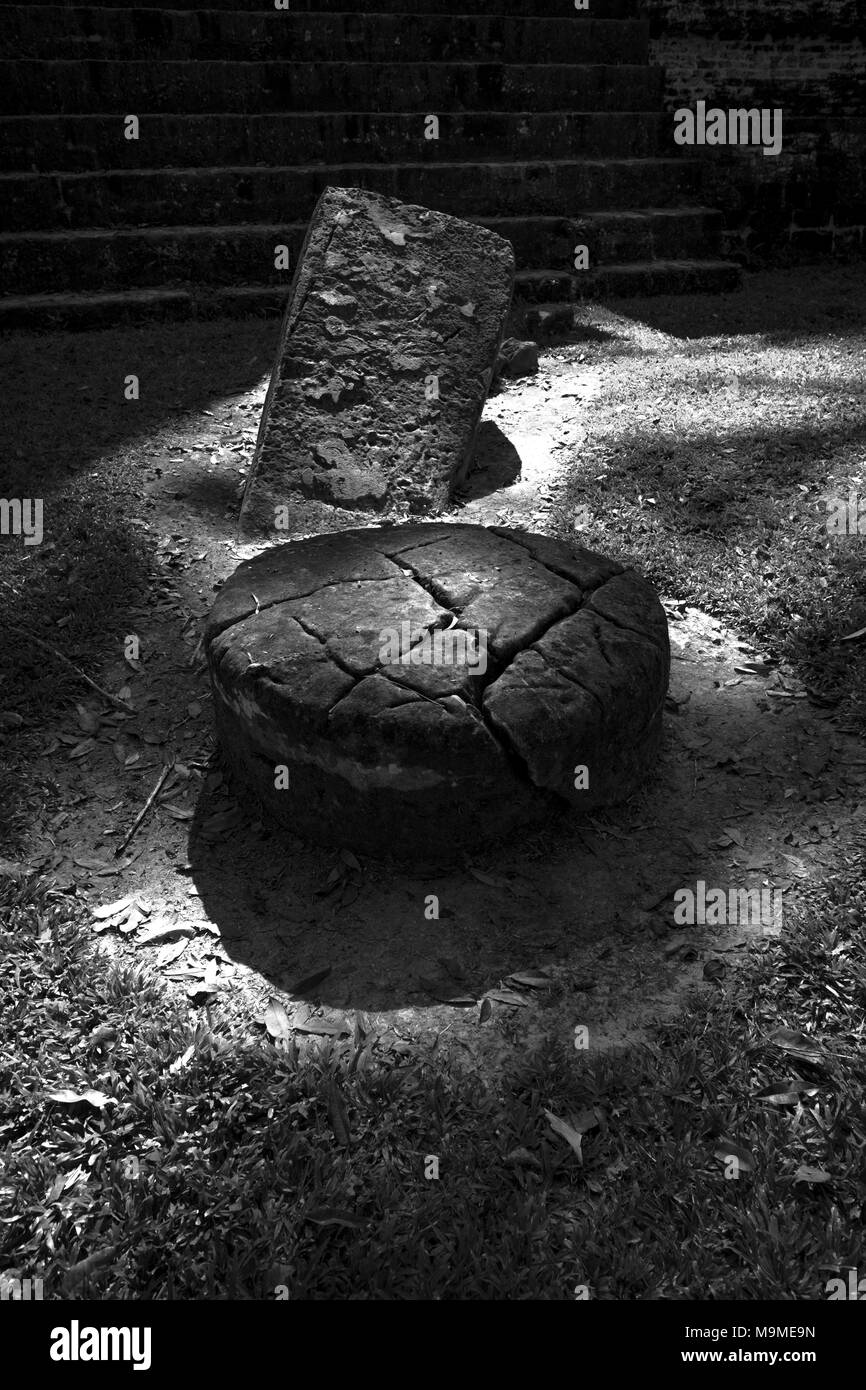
(386, 353)
(424, 690)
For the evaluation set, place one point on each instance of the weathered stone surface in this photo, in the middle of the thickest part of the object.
(386, 354)
(429, 758)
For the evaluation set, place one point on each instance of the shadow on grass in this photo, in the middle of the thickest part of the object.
(311, 1155)
(65, 392)
(811, 301)
(72, 440)
(737, 523)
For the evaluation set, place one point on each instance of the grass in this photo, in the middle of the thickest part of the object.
(205, 1169)
(710, 464)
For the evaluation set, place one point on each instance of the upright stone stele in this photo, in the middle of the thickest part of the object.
(386, 354)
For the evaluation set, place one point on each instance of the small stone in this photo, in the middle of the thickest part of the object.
(517, 358)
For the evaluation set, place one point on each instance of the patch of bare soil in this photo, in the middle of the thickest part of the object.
(567, 930)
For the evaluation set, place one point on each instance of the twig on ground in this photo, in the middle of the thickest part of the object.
(144, 810)
(82, 675)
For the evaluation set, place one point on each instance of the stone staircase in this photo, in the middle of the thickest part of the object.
(551, 132)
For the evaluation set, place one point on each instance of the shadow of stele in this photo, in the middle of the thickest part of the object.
(495, 463)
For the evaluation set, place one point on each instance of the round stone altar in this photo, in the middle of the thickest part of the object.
(420, 691)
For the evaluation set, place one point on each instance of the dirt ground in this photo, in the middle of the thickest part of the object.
(756, 786)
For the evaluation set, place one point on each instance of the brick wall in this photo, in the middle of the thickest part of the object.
(807, 57)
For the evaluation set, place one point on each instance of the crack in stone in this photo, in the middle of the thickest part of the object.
(410, 545)
(381, 670)
(500, 734)
(376, 714)
(625, 627)
(330, 710)
(632, 632)
(515, 759)
(551, 569)
(428, 589)
(574, 680)
(401, 704)
(292, 598)
(379, 666)
(488, 677)
(493, 674)
(412, 691)
(600, 642)
(266, 674)
(332, 656)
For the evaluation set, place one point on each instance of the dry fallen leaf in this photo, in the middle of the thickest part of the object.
(167, 955)
(277, 1020)
(564, 1129)
(332, 1216)
(112, 909)
(715, 969)
(755, 668)
(506, 996)
(82, 749)
(161, 930)
(813, 1175)
(322, 1027)
(65, 1096)
(779, 1093)
(87, 720)
(797, 1043)
(133, 921)
(180, 1062)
